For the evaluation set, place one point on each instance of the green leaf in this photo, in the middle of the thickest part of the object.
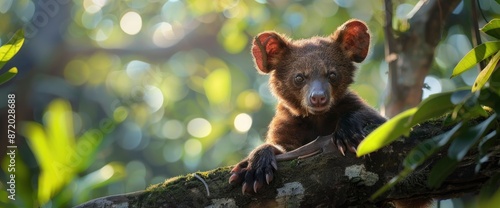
(441, 170)
(464, 141)
(476, 111)
(39, 143)
(484, 146)
(485, 74)
(489, 188)
(492, 202)
(390, 184)
(417, 156)
(475, 56)
(11, 48)
(421, 152)
(467, 106)
(428, 147)
(460, 96)
(495, 81)
(492, 28)
(490, 98)
(59, 129)
(457, 150)
(8, 75)
(386, 133)
(434, 106)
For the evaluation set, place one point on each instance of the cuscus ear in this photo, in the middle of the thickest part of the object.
(267, 49)
(354, 39)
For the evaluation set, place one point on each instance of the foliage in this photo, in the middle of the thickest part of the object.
(8, 51)
(61, 157)
(461, 108)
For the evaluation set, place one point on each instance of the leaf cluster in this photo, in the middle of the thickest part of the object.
(63, 157)
(460, 109)
(7, 52)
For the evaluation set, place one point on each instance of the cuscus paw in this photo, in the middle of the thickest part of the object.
(349, 140)
(254, 171)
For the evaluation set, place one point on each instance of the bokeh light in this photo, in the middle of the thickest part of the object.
(106, 172)
(199, 127)
(131, 23)
(434, 86)
(242, 122)
(153, 97)
(173, 129)
(5, 6)
(164, 35)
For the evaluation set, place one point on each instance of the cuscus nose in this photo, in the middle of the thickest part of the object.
(318, 98)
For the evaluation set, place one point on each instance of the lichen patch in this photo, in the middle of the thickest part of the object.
(359, 171)
(290, 194)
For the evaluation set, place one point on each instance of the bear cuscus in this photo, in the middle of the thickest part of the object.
(310, 79)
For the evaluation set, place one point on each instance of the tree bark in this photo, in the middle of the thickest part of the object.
(410, 55)
(323, 180)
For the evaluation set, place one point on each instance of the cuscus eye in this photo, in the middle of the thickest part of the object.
(299, 78)
(332, 76)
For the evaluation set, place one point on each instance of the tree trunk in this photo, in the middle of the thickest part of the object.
(410, 55)
(323, 180)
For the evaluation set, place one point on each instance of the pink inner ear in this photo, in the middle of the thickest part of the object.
(265, 47)
(355, 39)
(257, 57)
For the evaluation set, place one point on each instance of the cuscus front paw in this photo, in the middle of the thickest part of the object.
(349, 140)
(254, 171)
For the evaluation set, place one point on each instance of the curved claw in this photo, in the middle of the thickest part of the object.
(340, 146)
(233, 178)
(256, 186)
(269, 178)
(341, 149)
(244, 188)
(353, 149)
(274, 164)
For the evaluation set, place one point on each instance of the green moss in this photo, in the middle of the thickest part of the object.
(182, 187)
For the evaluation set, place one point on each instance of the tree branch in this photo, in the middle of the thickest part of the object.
(415, 47)
(326, 179)
(476, 37)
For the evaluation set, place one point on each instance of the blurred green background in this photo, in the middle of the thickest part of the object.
(113, 96)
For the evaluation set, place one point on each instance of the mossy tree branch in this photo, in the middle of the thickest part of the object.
(326, 179)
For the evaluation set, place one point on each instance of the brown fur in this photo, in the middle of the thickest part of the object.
(310, 78)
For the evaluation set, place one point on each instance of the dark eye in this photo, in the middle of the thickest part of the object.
(299, 78)
(332, 76)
